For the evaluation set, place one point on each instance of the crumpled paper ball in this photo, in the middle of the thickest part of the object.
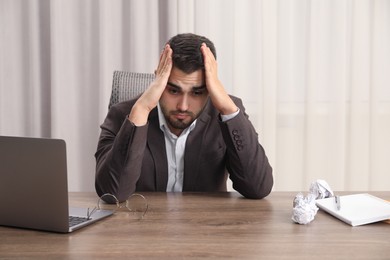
(304, 207)
(320, 189)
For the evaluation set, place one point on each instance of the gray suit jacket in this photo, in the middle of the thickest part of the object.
(130, 158)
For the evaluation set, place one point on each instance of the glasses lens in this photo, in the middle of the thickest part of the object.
(108, 202)
(138, 205)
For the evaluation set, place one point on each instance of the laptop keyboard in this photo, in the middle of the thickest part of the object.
(73, 220)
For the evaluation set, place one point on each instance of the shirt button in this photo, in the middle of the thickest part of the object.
(235, 132)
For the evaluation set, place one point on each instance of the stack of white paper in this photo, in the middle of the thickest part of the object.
(357, 209)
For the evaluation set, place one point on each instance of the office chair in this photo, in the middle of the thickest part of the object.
(127, 85)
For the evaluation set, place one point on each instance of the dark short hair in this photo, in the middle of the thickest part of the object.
(186, 55)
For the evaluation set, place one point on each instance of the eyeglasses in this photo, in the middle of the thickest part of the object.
(137, 204)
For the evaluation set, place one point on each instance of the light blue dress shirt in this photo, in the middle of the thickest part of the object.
(175, 149)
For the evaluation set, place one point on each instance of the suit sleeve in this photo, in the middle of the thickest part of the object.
(247, 163)
(119, 154)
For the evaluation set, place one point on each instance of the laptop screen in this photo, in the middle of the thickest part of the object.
(33, 183)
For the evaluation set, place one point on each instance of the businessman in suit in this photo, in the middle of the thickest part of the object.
(184, 133)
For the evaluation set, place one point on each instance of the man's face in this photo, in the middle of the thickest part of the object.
(183, 99)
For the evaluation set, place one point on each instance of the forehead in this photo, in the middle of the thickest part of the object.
(186, 81)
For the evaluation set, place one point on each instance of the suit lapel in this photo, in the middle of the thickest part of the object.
(156, 144)
(194, 146)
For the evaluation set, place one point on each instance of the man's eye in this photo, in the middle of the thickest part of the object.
(173, 91)
(198, 92)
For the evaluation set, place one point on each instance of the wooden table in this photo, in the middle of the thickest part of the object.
(204, 225)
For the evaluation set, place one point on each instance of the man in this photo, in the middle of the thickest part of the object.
(184, 133)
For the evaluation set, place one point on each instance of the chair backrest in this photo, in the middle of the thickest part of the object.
(127, 85)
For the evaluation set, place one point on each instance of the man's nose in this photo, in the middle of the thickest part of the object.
(182, 105)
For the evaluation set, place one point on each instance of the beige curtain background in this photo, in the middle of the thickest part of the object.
(314, 75)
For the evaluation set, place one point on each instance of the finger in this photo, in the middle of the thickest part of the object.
(207, 52)
(160, 59)
(210, 63)
(204, 51)
(163, 58)
(166, 63)
(168, 56)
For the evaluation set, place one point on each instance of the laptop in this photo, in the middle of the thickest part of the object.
(34, 187)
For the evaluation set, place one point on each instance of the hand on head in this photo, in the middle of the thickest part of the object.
(149, 99)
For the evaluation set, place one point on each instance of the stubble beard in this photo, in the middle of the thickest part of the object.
(179, 123)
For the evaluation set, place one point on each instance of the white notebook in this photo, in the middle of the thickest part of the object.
(357, 209)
